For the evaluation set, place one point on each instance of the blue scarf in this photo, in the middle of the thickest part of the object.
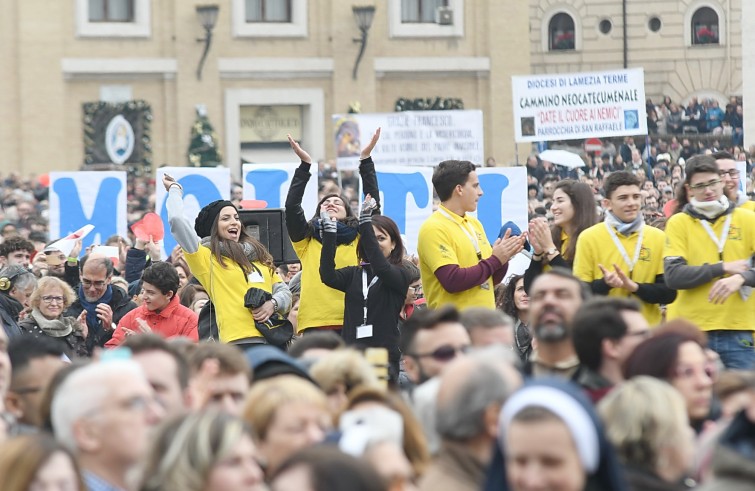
(345, 234)
(91, 307)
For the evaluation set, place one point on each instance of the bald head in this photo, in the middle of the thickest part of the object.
(472, 391)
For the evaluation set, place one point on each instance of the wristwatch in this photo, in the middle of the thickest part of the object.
(275, 305)
(551, 251)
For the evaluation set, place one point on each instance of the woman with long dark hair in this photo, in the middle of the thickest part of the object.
(516, 304)
(573, 210)
(227, 261)
(376, 289)
(320, 306)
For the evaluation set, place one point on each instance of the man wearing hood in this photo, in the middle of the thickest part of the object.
(708, 258)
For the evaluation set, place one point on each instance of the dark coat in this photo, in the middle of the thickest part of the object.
(9, 310)
(73, 345)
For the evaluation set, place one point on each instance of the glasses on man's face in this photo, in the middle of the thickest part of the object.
(732, 173)
(444, 353)
(415, 291)
(703, 185)
(50, 299)
(89, 283)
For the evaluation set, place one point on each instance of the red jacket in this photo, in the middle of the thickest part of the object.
(174, 320)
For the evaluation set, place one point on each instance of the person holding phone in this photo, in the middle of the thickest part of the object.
(376, 289)
(227, 261)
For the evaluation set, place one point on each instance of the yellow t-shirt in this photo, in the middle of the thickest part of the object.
(748, 205)
(686, 237)
(226, 287)
(595, 246)
(321, 305)
(441, 242)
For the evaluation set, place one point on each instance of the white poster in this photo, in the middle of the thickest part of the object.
(270, 183)
(421, 138)
(574, 106)
(88, 197)
(201, 186)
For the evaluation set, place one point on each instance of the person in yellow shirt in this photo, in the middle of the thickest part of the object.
(727, 169)
(708, 258)
(458, 264)
(623, 257)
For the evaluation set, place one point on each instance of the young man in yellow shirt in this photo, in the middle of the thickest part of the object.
(708, 258)
(727, 169)
(458, 264)
(623, 257)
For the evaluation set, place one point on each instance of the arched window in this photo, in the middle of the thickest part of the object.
(705, 26)
(561, 32)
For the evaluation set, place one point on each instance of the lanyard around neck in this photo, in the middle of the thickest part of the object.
(366, 291)
(469, 233)
(720, 242)
(631, 263)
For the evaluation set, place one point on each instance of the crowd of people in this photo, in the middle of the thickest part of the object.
(621, 359)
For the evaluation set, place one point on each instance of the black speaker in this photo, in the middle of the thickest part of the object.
(269, 227)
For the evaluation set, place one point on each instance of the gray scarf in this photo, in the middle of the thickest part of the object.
(56, 328)
(623, 228)
(710, 209)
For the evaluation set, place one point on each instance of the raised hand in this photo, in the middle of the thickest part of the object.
(169, 181)
(368, 206)
(329, 225)
(367, 150)
(300, 152)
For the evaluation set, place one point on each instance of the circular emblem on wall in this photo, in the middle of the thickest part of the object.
(119, 139)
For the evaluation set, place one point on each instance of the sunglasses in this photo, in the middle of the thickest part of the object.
(444, 353)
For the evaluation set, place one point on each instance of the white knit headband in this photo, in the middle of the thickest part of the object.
(571, 412)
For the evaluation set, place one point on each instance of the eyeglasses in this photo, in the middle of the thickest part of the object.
(703, 185)
(416, 291)
(733, 173)
(89, 283)
(444, 353)
(48, 299)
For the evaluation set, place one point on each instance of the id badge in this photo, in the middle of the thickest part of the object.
(255, 277)
(364, 331)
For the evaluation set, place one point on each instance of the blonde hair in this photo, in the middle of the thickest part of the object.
(48, 282)
(188, 447)
(346, 368)
(267, 396)
(642, 416)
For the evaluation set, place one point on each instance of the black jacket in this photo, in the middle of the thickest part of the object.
(384, 299)
(120, 303)
(9, 310)
(73, 345)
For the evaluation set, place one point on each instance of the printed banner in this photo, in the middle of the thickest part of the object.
(270, 182)
(575, 106)
(92, 197)
(201, 185)
(420, 138)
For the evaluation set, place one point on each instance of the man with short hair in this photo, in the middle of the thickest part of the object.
(457, 262)
(166, 369)
(488, 326)
(34, 362)
(104, 413)
(727, 169)
(623, 257)
(16, 251)
(105, 305)
(161, 311)
(708, 258)
(555, 296)
(605, 331)
(471, 394)
(220, 377)
(430, 339)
